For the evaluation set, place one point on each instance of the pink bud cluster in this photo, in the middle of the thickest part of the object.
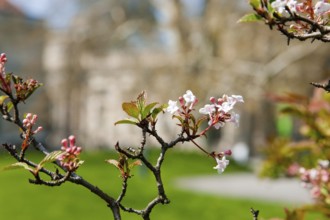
(317, 180)
(24, 89)
(69, 159)
(5, 84)
(28, 85)
(219, 110)
(29, 121)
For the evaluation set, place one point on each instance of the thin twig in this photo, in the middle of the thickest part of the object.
(123, 190)
(255, 213)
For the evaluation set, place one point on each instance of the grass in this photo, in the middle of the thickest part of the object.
(21, 200)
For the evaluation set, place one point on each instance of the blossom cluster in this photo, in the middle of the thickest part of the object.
(317, 180)
(29, 121)
(219, 110)
(218, 113)
(320, 8)
(69, 159)
(302, 14)
(187, 102)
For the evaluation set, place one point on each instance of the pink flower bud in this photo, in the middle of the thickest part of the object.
(315, 192)
(25, 122)
(212, 100)
(64, 143)
(293, 169)
(3, 58)
(28, 116)
(34, 119)
(78, 150)
(194, 103)
(227, 152)
(181, 100)
(325, 176)
(38, 130)
(72, 140)
(220, 101)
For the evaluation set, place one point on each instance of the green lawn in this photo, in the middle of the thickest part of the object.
(21, 200)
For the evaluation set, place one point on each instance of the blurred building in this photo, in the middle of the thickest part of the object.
(115, 49)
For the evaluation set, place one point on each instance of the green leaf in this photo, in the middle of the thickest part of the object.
(250, 18)
(18, 165)
(327, 200)
(80, 162)
(118, 164)
(141, 100)
(179, 118)
(200, 121)
(115, 163)
(270, 9)
(126, 121)
(135, 163)
(16, 79)
(49, 158)
(255, 3)
(147, 110)
(156, 111)
(293, 110)
(10, 105)
(193, 119)
(131, 109)
(3, 98)
(324, 191)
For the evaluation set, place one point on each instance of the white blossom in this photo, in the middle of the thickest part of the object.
(279, 6)
(207, 109)
(321, 8)
(226, 106)
(172, 107)
(221, 164)
(189, 97)
(238, 98)
(323, 163)
(234, 118)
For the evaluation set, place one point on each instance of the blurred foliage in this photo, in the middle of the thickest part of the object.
(287, 158)
(314, 143)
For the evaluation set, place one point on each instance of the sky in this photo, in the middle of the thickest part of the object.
(56, 13)
(59, 13)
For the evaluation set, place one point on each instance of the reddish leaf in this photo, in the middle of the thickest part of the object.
(131, 109)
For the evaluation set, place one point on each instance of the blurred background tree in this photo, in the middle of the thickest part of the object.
(108, 51)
